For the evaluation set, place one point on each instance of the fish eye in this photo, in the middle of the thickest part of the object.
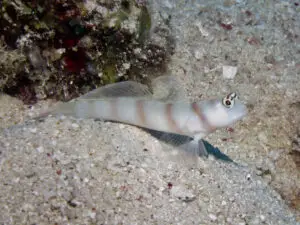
(228, 101)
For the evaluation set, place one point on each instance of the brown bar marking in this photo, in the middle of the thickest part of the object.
(141, 112)
(171, 122)
(202, 118)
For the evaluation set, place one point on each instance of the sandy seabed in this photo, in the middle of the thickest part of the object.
(71, 171)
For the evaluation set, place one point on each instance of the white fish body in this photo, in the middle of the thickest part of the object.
(136, 107)
(191, 119)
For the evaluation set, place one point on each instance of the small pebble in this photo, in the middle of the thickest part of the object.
(198, 54)
(202, 30)
(229, 220)
(126, 66)
(229, 72)
(33, 130)
(212, 217)
(262, 218)
(75, 125)
(248, 177)
(92, 215)
(40, 149)
(205, 199)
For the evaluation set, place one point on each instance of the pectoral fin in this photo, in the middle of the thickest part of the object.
(195, 147)
(168, 89)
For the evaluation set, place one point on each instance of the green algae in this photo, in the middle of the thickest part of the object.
(109, 73)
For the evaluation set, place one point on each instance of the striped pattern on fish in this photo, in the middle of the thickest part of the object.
(132, 103)
(180, 118)
(191, 119)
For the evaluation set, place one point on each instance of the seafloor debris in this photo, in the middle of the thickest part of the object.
(61, 49)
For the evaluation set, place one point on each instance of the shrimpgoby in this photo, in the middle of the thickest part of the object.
(133, 103)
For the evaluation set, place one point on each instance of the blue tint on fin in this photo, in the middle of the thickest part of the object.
(211, 150)
(191, 146)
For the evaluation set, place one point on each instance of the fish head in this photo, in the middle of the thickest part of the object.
(224, 112)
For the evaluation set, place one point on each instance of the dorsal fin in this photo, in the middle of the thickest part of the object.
(164, 88)
(168, 89)
(121, 89)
